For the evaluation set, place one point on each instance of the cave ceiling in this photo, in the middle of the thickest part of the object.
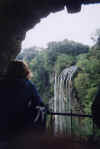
(18, 16)
(21, 15)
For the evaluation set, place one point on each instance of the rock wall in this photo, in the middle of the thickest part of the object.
(18, 16)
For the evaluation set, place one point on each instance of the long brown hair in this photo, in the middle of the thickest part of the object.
(18, 69)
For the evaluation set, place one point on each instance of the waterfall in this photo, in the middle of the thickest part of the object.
(62, 100)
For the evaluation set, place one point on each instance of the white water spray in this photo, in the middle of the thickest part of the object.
(62, 100)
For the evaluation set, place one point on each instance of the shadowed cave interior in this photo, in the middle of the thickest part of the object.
(17, 17)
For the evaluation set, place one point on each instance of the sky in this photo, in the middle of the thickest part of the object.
(62, 25)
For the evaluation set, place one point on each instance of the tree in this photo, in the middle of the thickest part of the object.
(63, 61)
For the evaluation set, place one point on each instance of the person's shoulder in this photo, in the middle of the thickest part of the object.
(30, 83)
(27, 81)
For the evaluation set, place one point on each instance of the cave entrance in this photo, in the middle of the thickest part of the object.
(78, 28)
(62, 25)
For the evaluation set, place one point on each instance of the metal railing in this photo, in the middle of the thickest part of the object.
(71, 115)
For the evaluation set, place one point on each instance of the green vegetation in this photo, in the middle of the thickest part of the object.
(59, 55)
(44, 63)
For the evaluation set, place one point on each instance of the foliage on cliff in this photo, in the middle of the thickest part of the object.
(45, 62)
(87, 80)
(59, 55)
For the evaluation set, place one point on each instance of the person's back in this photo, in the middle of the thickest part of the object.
(96, 109)
(14, 95)
(18, 96)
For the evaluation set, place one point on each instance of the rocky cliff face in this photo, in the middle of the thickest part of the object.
(18, 16)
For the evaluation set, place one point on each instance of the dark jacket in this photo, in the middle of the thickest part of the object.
(96, 109)
(17, 99)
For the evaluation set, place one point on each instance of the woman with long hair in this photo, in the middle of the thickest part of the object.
(19, 100)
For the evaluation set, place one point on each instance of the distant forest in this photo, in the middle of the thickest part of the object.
(45, 62)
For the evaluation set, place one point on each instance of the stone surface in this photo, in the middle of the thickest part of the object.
(18, 16)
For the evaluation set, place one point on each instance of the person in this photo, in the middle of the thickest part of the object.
(18, 100)
(96, 109)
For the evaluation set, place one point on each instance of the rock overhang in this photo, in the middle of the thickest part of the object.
(18, 16)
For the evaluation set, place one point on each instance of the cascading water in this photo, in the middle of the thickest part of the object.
(63, 99)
